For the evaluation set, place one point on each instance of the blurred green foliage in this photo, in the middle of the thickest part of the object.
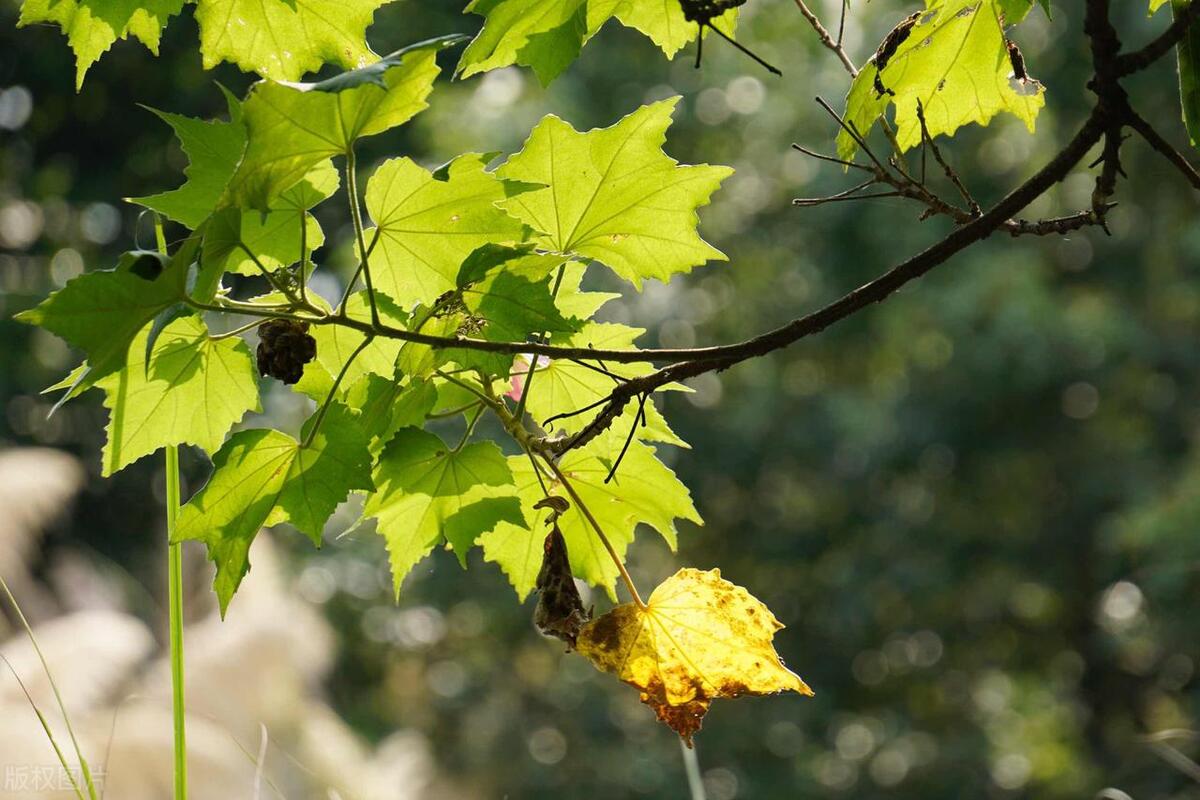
(974, 506)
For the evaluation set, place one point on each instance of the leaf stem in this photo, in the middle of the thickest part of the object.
(356, 217)
(691, 765)
(237, 331)
(470, 429)
(271, 279)
(583, 509)
(533, 361)
(175, 595)
(455, 411)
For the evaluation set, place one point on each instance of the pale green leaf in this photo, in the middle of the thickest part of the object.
(213, 149)
(614, 195)
(101, 312)
(562, 386)
(955, 64)
(385, 406)
(644, 490)
(294, 126)
(427, 493)
(427, 224)
(264, 477)
(273, 238)
(92, 26)
(337, 343)
(547, 35)
(284, 39)
(192, 390)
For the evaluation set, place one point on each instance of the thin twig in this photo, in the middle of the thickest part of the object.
(1164, 148)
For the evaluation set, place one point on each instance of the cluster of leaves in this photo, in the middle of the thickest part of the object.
(453, 260)
(546, 35)
(462, 252)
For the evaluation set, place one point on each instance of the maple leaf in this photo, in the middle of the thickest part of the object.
(294, 126)
(101, 312)
(284, 39)
(213, 149)
(385, 406)
(235, 240)
(337, 343)
(427, 492)
(265, 477)
(644, 491)
(699, 638)
(953, 60)
(547, 35)
(92, 26)
(613, 195)
(429, 222)
(189, 389)
(508, 290)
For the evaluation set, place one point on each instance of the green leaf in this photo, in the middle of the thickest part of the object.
(428, 224)
(385, 406)
(92, 26)
(547, 35)
(420, 360)
(284, 39)
(1188, 54)
(264, 477)
(643, 491)
(426, 493)
(614, 195)
(562, 386)
(1155, 5)
(955, 63)
(336, 343)
(213, 149)
(663, 22)
(507, 291)
(293, 127)
(274, 237)
(191, 390)
(101, 312)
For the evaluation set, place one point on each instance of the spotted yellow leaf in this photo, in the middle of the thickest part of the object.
(698, 638)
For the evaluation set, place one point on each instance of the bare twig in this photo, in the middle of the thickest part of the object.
(1164, 148)
(828, 41)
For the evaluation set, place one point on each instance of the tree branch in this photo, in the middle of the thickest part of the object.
(1138, 60)
(1156, 140)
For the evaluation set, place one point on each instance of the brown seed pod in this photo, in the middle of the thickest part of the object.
(284, 347)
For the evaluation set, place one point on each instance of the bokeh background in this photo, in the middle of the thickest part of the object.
(976, 507)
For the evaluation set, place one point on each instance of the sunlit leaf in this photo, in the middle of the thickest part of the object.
(191, 390)
(264, 477)
(699, 638)
(953, 60)
(284, 39)
(92, 26)
(293, 126)
(428, 224)
(614, 195)
(427, 493)
(101, 312)
(643, 491)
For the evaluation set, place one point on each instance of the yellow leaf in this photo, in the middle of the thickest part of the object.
(699, 638)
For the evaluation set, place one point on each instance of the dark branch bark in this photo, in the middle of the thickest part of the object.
(1156, 140)
(1140, 59)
